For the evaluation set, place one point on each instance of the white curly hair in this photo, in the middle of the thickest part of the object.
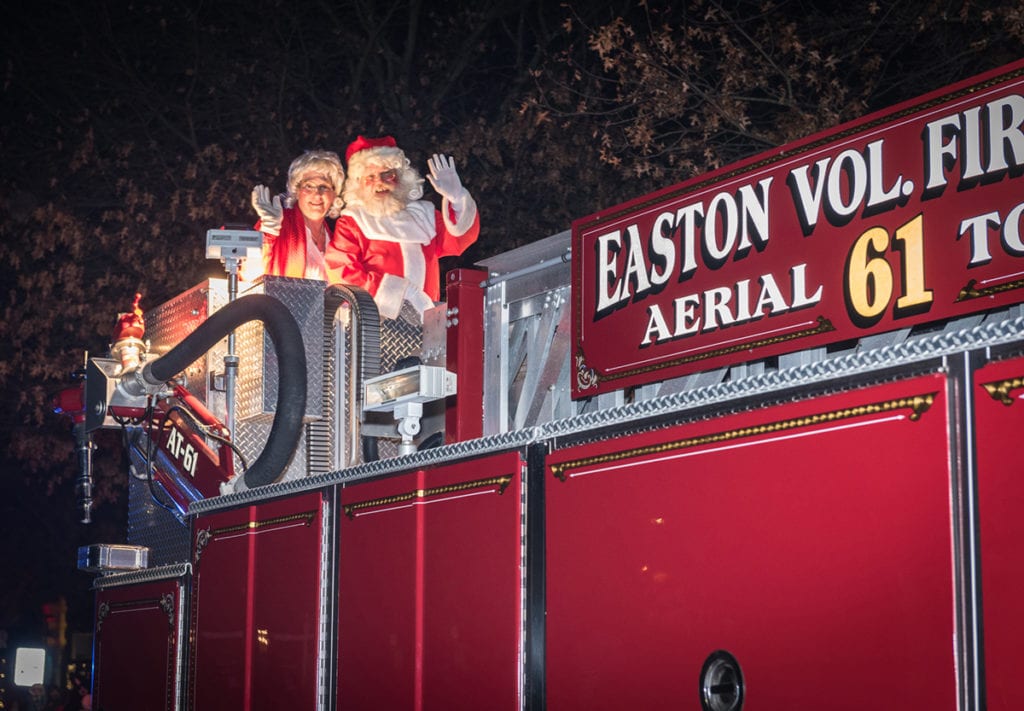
(326, 162)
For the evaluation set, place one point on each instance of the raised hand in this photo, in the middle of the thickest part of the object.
(444, 177)
(269, 210)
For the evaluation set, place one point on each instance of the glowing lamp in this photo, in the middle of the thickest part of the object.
(420, 383)
(29, 666)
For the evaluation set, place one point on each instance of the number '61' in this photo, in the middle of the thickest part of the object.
(868, 278)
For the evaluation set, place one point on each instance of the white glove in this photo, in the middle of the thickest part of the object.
(445, 178)
(270, 211)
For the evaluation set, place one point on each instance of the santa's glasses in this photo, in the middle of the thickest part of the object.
(315, 188)
(385, 176)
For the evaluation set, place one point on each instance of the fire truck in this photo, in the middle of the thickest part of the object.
(748, 442)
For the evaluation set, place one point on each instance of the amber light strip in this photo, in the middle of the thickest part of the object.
(1000, 389)
(306, 517)
(501, 482)
(917, 404)
(206, 535)
(970, 291)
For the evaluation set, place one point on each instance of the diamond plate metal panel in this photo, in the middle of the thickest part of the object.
(257, 386)
(169, 323)
(150, 575)
(400, 337)
(326, 444)
(153, 526)
(251, 436)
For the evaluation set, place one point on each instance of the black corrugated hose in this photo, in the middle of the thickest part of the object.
(291, 393)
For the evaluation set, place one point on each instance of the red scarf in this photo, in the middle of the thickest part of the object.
(287, 255)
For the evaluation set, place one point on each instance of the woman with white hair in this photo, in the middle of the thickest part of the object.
(296, 233)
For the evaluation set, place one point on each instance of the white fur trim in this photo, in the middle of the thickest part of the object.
(414, 265)
(414, 225)
(390, 294)
(391, 156)
(464, 207)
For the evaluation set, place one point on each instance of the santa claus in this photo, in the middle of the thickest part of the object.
(295, 234)
(389, 241)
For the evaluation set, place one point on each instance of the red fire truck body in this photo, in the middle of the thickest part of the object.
(767, 480)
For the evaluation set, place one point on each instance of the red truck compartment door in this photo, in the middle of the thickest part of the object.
(809, 540)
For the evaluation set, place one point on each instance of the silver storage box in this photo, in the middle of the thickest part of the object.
(103, 557)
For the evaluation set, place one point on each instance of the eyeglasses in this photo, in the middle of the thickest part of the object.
(315, 189)
(385, 176)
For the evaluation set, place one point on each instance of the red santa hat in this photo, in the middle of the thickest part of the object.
(364, 151)
(362, 143)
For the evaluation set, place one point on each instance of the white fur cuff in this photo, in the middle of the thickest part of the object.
(390, 294)
(464, 207)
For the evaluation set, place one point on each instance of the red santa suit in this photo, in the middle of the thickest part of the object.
(395, 257)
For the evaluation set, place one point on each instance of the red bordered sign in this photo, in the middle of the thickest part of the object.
(903, 217)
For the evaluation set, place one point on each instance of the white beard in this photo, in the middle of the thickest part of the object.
(382, 207)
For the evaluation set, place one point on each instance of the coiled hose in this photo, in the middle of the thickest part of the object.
(291, 393)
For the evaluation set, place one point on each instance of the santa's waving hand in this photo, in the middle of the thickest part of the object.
(444, 177)
(446, 182)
